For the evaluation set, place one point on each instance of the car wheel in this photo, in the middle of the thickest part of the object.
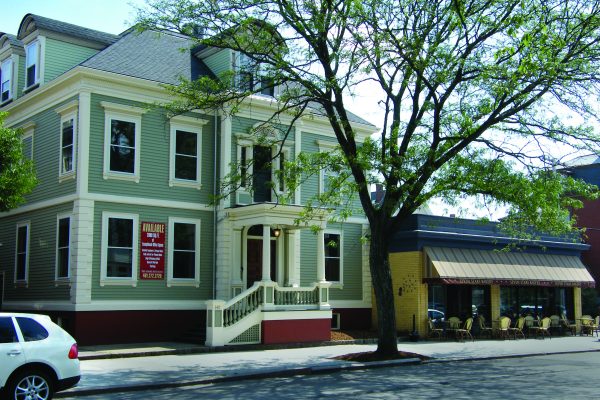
(30, 385)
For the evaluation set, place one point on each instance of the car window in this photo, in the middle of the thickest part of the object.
(7, 330)
(31, 329)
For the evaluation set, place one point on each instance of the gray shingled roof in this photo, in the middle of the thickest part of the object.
(318, 109)
(12, 39)
(150, 55)
(70, 29)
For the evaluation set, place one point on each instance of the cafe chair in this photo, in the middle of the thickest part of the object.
(433, 331)
(543, 328)
(503, 328)
(518, 328)
(596, 324)
(465, 331)
(587, 325)
(483, 329)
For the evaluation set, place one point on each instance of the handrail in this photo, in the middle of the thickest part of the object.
(291, 296)
(242, 305)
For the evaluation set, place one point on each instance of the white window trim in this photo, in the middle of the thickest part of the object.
(247, 141)
(27, 252)
(56, 264)
(192, 125)
(67, 112)
(286, 151)
(195, 282)
(105, 280)
(11, 79)
(39, 43)
(340, 283)
(128, 114)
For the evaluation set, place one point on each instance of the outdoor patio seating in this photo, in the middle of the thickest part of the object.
(483, 329)
(530, 322)
(518, 328)
(543, 328)
(433, 331)
(587, 325)
(596, 325)
(465, 331)
(503, 328)
(555, 325)
(452, 324)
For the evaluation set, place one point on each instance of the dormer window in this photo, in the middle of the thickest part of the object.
(32, 63)
(6, 69)
(251, 77)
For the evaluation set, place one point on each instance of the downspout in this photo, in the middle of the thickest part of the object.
(215, 205)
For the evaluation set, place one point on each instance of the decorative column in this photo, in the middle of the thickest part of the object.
(266, 254)
(321, 256)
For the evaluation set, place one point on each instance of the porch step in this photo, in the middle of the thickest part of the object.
(195, 335)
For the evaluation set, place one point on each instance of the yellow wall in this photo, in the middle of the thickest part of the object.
(407, 273)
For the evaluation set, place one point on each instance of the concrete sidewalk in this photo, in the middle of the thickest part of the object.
(139, 367)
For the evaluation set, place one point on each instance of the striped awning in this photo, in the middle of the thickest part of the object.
(513, 268)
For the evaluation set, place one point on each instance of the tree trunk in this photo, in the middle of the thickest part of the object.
(384, 294)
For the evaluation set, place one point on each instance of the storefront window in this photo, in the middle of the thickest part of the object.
(535, 301)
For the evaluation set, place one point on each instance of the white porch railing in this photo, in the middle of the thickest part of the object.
(238, 320)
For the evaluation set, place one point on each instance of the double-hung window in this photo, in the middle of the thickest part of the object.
(185, 149)
(67, 143)
(63, 247)
(122, 132)
(22, 253)
(32, 64)
(68, 139)
(184, 252)
(119, 261)
(6, 79)
(333, 257)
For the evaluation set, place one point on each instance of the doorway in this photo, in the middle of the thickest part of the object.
(254, 255)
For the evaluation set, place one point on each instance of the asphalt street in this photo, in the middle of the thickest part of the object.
(560, 376)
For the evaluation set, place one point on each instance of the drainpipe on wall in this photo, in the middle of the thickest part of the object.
(215, 206)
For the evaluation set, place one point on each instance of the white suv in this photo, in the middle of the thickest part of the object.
(37, 357)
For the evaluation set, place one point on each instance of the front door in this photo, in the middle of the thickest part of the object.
(254, 261)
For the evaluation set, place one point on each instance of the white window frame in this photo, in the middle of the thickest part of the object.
(122, 281)
(20, 225)
(340, 233)
(191, 125)
(67, 112)
(248, 142)
(195, 282)
(58, 278)
(120, 112)
(10, 80)
(37, 62)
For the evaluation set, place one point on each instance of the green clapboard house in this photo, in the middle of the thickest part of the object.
(120, 242)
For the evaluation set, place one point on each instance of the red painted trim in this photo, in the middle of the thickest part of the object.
(295, 331)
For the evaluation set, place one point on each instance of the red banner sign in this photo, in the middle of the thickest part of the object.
(152, 257)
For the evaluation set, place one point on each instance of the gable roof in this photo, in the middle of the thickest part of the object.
(31, 22)
(583, 161)
(151, 55)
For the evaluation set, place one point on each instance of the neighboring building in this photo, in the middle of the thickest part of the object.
(456, 266)
(119, 241)
(587, 168)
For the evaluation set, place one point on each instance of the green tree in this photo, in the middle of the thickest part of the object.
(17, 176)
(479, 98)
